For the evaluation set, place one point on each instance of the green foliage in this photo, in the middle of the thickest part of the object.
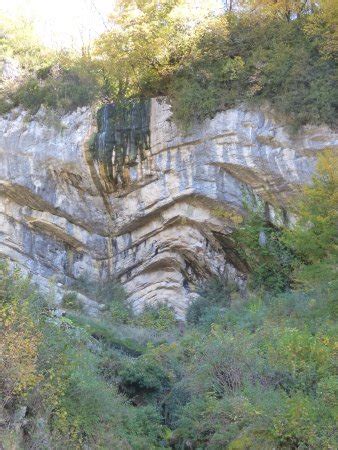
(314, 237)
(261, 376)
(111, 294)
(107, 333)
(142, 47)
(262, 384)
(327, 390)
(119, 309)
(192, 101)
(64, 85)
(57, 375)
(265, 374)
(161, 317)
(20, 336)
(281, 53)
(59, 81)
(286, 10)
(279, 258)
(215, 294)
(304, 356)
(70, 301)
(255, 55)
(270, 261)
(245, 58)
(143, 373)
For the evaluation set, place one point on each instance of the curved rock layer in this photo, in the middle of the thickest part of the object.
(167, 228)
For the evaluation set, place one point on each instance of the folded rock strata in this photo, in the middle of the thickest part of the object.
(161, 224)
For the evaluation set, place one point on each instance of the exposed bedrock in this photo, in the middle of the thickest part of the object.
(158, 218)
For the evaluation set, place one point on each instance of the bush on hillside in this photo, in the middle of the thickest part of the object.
(110, 293)
(51, 366)
(161, 317)
(213, 296)
(62, 87)
(314, 237)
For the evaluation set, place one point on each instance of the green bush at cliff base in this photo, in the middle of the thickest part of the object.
(262, 375)
(314, 238)
(161, 317)
(109, 294)
(271, 262)
(213, 295)
(52, 368)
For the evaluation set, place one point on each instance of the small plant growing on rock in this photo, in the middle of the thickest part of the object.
(70, 301)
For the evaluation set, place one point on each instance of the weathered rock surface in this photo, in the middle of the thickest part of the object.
(167, 227)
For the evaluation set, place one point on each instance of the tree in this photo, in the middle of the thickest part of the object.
(144, 46)
(322, 28)
(286, 9)
(18, 40)
(134, 50)
(315, 236)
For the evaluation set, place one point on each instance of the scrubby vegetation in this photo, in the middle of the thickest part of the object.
(247, 373)
(55, 369)
(61, 81)
(256, 52)
(256, 59)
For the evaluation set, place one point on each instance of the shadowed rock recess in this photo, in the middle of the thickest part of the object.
(138, 200)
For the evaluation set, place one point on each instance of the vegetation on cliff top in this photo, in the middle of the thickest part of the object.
(254, 373)
(257, 51)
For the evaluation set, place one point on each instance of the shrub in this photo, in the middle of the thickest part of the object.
(144, 373)
(64, 89)
(245, 58)
(298, 422)
(262, 247)
(20, 336)
(327, 390)
(160, 317)
(306, 357)
(70, 301)
(52, 365)
(110, 293)
(59, 81)
(314, 237)
(214, 297)
(256, 419)
(107, 333)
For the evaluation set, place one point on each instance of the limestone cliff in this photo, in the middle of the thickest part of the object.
(159, 220)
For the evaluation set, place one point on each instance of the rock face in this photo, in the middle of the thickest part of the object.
(164, 229)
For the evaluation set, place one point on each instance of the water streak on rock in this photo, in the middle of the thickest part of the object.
(122, 139)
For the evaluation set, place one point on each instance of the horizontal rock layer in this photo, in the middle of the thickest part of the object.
(166, 229)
